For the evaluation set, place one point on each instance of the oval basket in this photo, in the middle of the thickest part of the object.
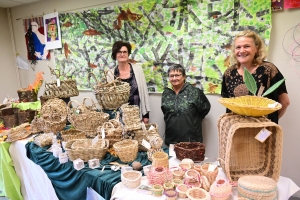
(197, 194)
(126, 150)
(131, 179)
(250, 105)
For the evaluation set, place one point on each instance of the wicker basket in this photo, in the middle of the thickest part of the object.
(111, 95)
(197, 194)
(182, 189)
(131, 179)
(152, 151)
(151, 136)
(178, 174)
(112, 130)
(131, 117)
(25, 116)
(26, 95)
(171, 194)
(17, 133)
(192, 177)
(168, 185)
(159, 175)
(86, 118)
(37, 125)
(10, 117)
(72, 134)
(210, 175)
(241, 154)
(126, 150)
(44, 139)
(160, 159)
(257, 187)
(157, 190)
(83, 149)
(192, 150)
(220, 190)
(250, 105)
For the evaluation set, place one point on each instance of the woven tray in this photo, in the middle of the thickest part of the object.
(192, 150)
(83, 149)
(241, 154)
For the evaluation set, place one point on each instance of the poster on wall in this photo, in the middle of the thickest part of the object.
(196, 34)
(52, 30)
(276, 5)
(35, 39)
(291, 4)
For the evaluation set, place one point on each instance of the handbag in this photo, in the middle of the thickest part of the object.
(60, 88)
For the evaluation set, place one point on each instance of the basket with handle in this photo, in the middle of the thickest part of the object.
(60, 89)
(110, 95)
(86, 118)
(112, 130)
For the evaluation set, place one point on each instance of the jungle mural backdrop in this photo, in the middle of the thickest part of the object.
(194, 33)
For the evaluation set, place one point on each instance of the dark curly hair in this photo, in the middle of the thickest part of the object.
(117, 46)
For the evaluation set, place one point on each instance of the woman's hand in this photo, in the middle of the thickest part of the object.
(145, 120)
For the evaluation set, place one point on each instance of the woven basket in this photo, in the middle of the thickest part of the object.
(152, 151)
(25, 116)
(168, 185)
(160, 159)
(185, 166)
(85, 118)
(159, 175)
(241, 154)
(178, 174)
(192, 150)
(83, 149)
(131, 179)
(72, 134)
(157, 190)
(111, 95)
(112, 130)
(197, 194)
(177, 181)
(257, 187)
(37, 125)
(220, 190)
(250, 105)
(44, 139)
(26, 95)
(192, 176)
(10, 117)
(17, 133)
(131, 117)
(171, 194)
(210, 175)
(151, 136)
(182, 189)
(126, 150)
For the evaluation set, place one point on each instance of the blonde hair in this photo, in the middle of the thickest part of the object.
(261, 54)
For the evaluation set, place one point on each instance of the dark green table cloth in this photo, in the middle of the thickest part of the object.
(69, 183)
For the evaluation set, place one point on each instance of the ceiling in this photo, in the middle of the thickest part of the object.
(12, 3)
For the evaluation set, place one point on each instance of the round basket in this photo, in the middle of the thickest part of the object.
(220, 190)
(112, 130)
(131, 179)
(182, 189)
(126, 150)
(171, 194)
(187, 161)
(197, 194)
(178, 174)
(210, 175)
(192, 178)
(159, 175)
(176, 182)
(168, 185)
(185, 166)
(160, 159)
(250, 105)
(157, 190)
(151, 151)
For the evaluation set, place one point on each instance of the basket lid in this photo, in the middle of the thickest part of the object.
(258, 183)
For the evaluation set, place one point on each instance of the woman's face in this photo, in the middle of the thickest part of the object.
(122, 54)
(245, 50)
(176, 78)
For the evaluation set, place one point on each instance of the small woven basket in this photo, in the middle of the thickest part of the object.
(220, 190)
(192, 178)
(178, 174)
(152, 151)
(26, 95)
(126, 150)
(72, 134)
(151, 136)
(10, 117)
(157, 190)
(85, 150)
(171, 194)
(168, 185)
(257, 187)
(197, 194)
(159, 175)
(131, 117)
(182, 189)
(112, 130)
(160, 159)
(131, 179)
(210, 175)
(44, 139)
(192, 150)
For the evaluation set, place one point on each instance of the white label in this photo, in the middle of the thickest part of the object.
(58, 82)
(211, 168)
(171, 150)
(151, 128)
(263, 135)
(146, 144)
(103, 133)
(95, 140)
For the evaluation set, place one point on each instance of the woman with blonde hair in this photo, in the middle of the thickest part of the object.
(249, 51)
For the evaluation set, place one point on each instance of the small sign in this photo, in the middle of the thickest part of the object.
(103, 133)
(95, 140)
(211, 167)
(146, 144)
(151, 128)
(263, 135)
(171, 150)
(58, 82)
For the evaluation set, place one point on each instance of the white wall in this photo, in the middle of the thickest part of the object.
(282, 21)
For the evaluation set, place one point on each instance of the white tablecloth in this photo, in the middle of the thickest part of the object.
(35, 184)
(286, 188)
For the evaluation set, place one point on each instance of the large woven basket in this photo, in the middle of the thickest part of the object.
(126, 150)
(241, 154)
(111, 95)
(85, 150)
(257, 187)
(131, 117)
(192, 150)
(250, 105)
(131, 179)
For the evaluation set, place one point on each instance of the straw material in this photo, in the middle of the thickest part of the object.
(257, 187)
(220, 190)
(197, 194)
(152, 151)
(44, 139)
(192, 150)
(178, 174)
(151, 136)
(160, 159)
(85, 150)
(26, 95)
(241, 154)
(210, 175)
(10, 117)
(182, 189)
(17, 133)
(111, 95)
(113, 131)
(37, 125)
(126, 150)
(192, 176)
(157, 190)
(250, 105)
(131, 117)
(72, 134)
(159, 175)
(131, 179)
(171, 194)
(168, 185)
(25, 116)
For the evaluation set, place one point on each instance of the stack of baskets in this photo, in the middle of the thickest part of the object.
(241, 154)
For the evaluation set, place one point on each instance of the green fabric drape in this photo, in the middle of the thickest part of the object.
(9, 181)
(69, 183)
(27, 105)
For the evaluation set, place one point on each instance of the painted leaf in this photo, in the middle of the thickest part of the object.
(273, 87)
(250, 82)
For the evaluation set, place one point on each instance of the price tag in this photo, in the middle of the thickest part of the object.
(95, 140)
(263, 135)
(171, 150)
(151, 128)
(58, 82)
(103, 133)
(146, 144)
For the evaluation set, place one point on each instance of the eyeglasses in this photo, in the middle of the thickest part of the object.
(175, 75)
(122, 52)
